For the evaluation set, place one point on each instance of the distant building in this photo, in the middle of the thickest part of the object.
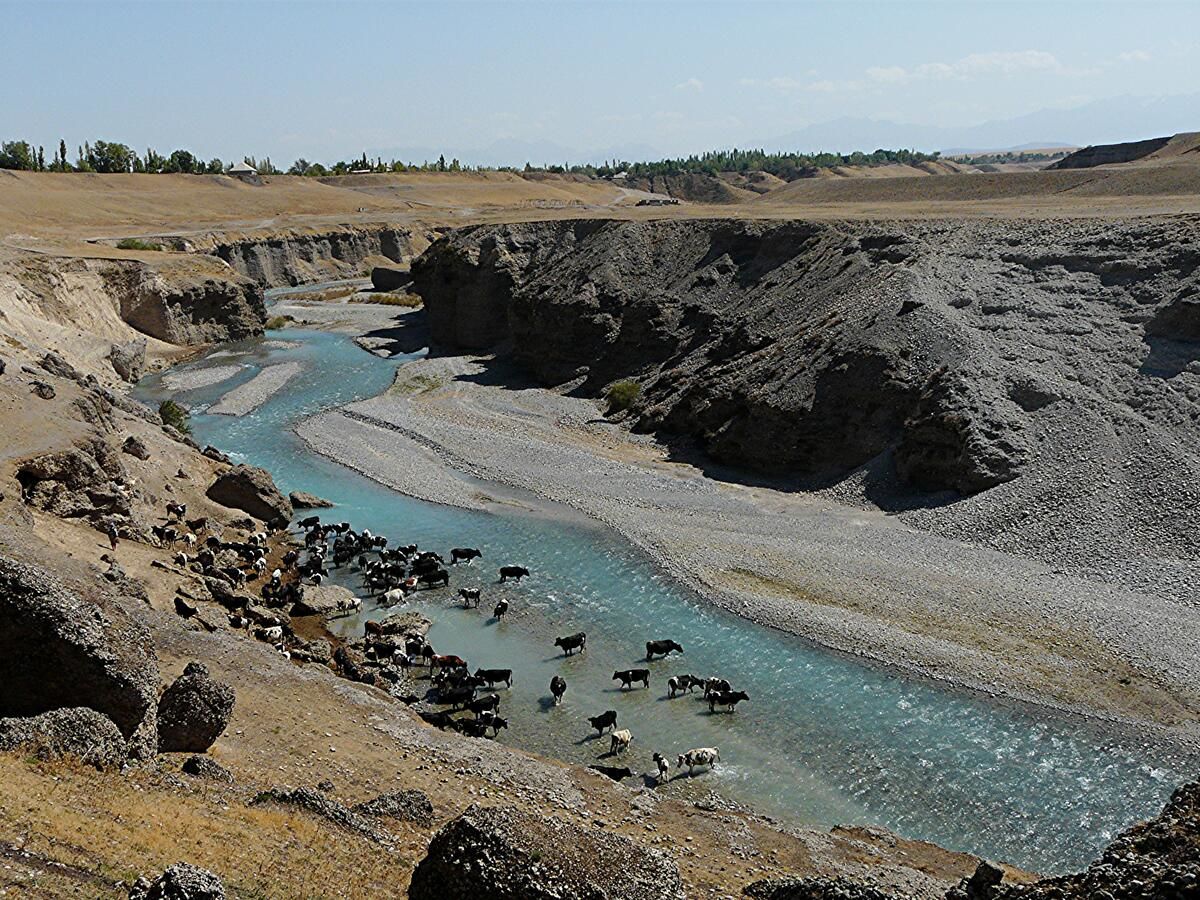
(244, 172)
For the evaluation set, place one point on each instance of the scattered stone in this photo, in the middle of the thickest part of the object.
(80, 732)
(213, 453)
(325, 786)
(129, 359)
(199, 766)
(59, 650)
(193, 711)
(56, 365)
(406, 806)
(135, 447)
(814, 888)
(318, 804)
(304, 500)
(180, 882)
(44, 391)
(251, 490)
(506, 854)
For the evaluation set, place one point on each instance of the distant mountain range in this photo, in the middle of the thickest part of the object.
(1100, 122)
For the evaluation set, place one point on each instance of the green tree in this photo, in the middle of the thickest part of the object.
(63, 165)
(18, 155)
(110, 157)
(214, 167)
(184, 162)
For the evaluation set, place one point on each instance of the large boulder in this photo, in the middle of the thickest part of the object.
(59, 650)
(390, 278)
(506, 854)
(324, 600)
(180, 882)
(305, 500)
(251, 490)
(80, 732)
(193, 711)
(129, 359)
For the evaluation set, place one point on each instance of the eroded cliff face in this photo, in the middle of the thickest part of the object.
(299, 256)
(1048, 372)
(91, 311)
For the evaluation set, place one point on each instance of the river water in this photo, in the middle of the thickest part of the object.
(823, 739)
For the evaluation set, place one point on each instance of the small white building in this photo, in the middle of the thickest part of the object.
(244, 172)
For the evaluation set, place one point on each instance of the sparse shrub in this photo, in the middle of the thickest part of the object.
(175, 415)
(622, 394)
(135, 244)
(409, 301)
(276, 322)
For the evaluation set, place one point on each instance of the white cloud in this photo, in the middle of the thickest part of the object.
(1134, 56)
(972, 66)
(692, 84)
(780, 83)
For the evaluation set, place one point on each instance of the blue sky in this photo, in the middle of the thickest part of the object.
(330, 80)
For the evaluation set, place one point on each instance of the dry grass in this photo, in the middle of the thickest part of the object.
(407, 300)
(117, 827)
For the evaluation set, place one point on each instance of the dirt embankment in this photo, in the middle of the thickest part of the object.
(1033, 387)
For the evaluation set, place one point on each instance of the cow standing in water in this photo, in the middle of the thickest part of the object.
(517, 572)
(558, 687)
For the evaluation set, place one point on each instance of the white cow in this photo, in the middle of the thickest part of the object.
(700, 756)
(620, 741)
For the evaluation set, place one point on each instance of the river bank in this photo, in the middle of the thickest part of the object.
(854, 581)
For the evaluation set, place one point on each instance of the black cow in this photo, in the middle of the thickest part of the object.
(572, 642)
(558, 687)
(486, 703)
(517, 572)
(459, 696)
(629, 676)
(310, 522)
(613, 772)
(607, 719)
(728, 699)
(493, 676)
(434, 578)
(472, 727)
(661, 648)
(461, 554)
(500, 610)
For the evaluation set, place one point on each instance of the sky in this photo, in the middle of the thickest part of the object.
(328, 81)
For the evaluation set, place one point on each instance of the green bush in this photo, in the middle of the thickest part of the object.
(135, 244)
(175, 415)
(622, 394)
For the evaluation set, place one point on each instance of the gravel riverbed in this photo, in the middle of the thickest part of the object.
(853, 580)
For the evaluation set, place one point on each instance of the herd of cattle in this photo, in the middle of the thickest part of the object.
(390, 574)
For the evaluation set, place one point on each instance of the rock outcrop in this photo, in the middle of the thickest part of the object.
(79, 732)
(505, 854)
(61, 651)
(1156, 860)
(181, 881)
(129, 359)
(180, 309)
(405, 806)
(980, 379)
(251, 490)
(300, 256)
(315, 802)
(199, 766)
(193, 711)
(814, 888)
(88, 481)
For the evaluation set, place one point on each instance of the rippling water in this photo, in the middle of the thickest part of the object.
(822, 740)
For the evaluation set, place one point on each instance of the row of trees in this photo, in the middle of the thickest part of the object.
(105, 156)
(109, 156)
